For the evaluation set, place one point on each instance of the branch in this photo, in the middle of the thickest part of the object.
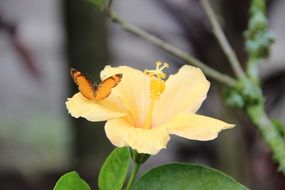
(258, 42)
(218, 32)
(246, 88)
(225, 79)
(269, 133)
(258, 38)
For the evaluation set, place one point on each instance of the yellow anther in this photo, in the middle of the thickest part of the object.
(158, 73)
(158, 63)
(157, 86)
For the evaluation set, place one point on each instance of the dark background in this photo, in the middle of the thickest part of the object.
(41, 40)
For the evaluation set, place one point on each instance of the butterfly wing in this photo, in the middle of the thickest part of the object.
(85, 84)
(105, 87)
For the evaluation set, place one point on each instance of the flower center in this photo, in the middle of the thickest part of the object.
(157, 86)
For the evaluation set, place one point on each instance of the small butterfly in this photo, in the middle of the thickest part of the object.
(91, 90)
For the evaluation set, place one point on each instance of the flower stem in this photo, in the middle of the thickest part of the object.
(261, 120)
(133, 175)
(223, 78)
(218, 32)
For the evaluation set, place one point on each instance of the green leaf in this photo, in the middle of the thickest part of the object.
(100, 4)
(186, 177)
(114, 170)
(234, 98)
(244, 94)
(71, 181)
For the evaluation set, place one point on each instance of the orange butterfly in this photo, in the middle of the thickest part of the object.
(91, 90)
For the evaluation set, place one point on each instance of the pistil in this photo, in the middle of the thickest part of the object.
(157, 86)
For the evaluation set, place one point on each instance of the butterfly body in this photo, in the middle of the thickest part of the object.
(91, 90)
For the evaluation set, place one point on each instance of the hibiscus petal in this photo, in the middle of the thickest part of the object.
(121, 133)
(109, 108)
(184, 92)
(196, 127)
(133, 90)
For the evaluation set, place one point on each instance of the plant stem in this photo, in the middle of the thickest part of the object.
(218, 32)
(269, 133)
(259, 38)
(258, 43)
(133, 175)
(223, 78)
(256, 113)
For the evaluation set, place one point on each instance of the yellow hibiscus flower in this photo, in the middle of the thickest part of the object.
(144, 109)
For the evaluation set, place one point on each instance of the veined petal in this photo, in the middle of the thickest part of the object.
(122, 133)
(184, 92)
(109, 108)
(133, 90)
(196, 127)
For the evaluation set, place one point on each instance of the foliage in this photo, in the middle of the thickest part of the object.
(258, 38)
(170, 176)
(184, 177)
(100, 4)
(279, 127)
(243, 93)
(71, 181)
(114, 170)
(247, 94)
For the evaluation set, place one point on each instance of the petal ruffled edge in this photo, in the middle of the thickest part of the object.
(109, 108)
(148, 141)
(185, 91)
(196, 127)
(133, 91)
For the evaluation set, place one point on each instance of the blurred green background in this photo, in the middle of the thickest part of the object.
(41, 40)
